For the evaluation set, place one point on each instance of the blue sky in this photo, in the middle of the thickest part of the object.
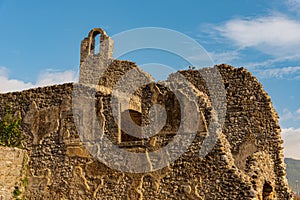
(40, 41)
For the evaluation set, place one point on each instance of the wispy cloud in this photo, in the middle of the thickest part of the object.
(280, 73)
(293, 5)
(48, 77)
(291, 138)
(288, 115)
(224, 57)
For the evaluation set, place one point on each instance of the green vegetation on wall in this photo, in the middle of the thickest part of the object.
(10, 130)
(17, 192)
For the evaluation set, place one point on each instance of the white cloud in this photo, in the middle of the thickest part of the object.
(8, 85)
(275, 35)
(52, 77)
(291, 138)
(45, 78)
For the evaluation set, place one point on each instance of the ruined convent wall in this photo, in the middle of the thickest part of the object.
(246, 162)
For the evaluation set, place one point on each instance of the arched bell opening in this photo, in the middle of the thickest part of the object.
(96, 37)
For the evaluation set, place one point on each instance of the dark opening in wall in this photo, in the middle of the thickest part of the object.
(267, 191)
(226, 86)
(136, 117)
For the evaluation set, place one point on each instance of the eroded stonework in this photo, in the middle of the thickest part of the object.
(12, 163)
(245, 163)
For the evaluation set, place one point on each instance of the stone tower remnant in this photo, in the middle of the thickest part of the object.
(92, 63)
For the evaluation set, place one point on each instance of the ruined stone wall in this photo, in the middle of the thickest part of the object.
(251, 127)
(245, 163)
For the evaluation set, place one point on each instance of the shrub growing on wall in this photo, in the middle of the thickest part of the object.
(10, 130)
